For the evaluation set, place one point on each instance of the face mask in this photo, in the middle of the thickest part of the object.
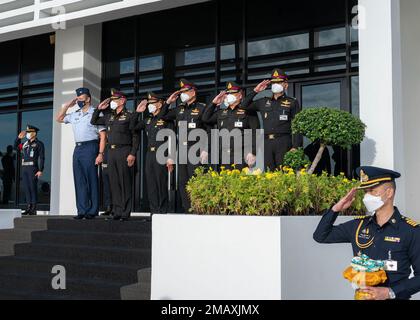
(231, 99)
(372, 203)
(81, 104)
(113, 105)
(29, 136)
(152, 108)
(277, 88)
(184, 97)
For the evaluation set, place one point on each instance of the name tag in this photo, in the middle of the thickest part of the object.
(239, 124)
(284, 117)
(192, 125)
(391, 265)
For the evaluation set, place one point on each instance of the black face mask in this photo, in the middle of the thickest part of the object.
(81, 104)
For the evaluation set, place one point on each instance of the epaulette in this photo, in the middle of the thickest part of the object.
(360, 217)
(411, 222)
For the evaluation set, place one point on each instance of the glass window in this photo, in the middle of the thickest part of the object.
(42, 119)
(8, 134)
(330, 37)
(150, 63)
(355, 99)
(321, 95)
(278, 45)
(195, 56)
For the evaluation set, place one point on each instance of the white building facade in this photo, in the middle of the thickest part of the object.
(385, 68)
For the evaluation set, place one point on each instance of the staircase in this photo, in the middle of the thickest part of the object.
(100, 258)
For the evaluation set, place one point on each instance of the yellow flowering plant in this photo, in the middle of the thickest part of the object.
(282, 192)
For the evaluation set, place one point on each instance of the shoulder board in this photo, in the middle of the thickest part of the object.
(411, 222)
(360, 217)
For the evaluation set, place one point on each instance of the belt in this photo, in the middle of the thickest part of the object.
(152, 149)
(116, 146)
(27, 163)
(79, 144)
(273, 136)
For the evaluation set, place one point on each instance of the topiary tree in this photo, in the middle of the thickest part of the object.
(331, 127)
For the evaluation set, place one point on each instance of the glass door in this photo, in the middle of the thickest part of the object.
(332, 93)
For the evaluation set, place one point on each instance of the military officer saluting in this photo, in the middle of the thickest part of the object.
(383, 234)
(123, 142)
(188, 113)
(156, 172)
(33, 159)
(277, 114)
(226, 112)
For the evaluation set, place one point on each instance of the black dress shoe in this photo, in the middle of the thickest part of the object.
(88, 217)
(124, 219)
(116, 218)
(78, 217)
(108, 212)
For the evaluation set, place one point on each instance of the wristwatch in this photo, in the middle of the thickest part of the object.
(392, 295)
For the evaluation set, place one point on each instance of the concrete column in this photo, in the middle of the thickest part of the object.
(410, 53)
(77, 64)
(380, 87)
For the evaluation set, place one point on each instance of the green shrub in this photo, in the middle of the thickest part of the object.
(296, 159)
(234, 192)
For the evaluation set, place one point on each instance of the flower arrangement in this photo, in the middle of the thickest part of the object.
(282, 192)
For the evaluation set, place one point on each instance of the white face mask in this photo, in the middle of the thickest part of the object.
(113, 105)
(152, 108)
(184, 97)
(29, 136)
(231, 99)
(372, 203)
(277, 88)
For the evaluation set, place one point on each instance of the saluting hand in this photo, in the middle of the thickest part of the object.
(104, 104)
(22, 135)
(218, 100)
(142, 106)
(70, 103)
(131, 160)
(345, 202)
(262, 86)
(173, 97)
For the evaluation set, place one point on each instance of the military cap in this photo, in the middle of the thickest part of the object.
(373, 176)
(81, 91)
(30, 128)
(153, 97)
(279, 75)
(115, 95)
(185, 85)
(233, 87)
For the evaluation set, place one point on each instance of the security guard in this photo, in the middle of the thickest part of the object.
(383, 234)
(123, 142)
(189, 114)
(232, 116)
(88, 153)
(277, 113)
(33, 159)
(156, 172)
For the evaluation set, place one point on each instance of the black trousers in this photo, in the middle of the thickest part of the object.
(275, 149)
(185, 173)
(7, 190)
(121, 179)
(30, 184)
(157, 184)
